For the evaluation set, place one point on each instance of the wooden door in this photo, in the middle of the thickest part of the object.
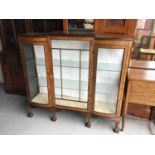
(72, 69)
(111, 59)
(37, 70)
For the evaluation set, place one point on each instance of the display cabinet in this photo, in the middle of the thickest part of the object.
(79, 73)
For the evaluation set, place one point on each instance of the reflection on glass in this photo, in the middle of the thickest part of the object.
(36, 71)
(109, 65)
(71, 65)
(81, 24)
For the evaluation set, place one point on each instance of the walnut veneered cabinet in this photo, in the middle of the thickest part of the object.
(83, 74)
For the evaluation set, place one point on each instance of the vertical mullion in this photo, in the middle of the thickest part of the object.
(61, 73)
(80, 75)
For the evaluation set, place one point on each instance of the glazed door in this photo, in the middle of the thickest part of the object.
(71, 72)
(37, 73)
(109, 62)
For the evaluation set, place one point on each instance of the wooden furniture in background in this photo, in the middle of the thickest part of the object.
(143, 111)
(11, 62)
(46, 25)
(80, 73)
(10, 29)
(149, 53)
(152, 43)
(141, 89)
(142, 35)
(120, 26)
(113, 26)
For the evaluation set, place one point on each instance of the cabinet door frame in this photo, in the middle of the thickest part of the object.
(126, 45)
(90, 74)
(49, 73)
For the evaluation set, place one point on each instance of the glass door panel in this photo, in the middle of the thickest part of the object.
(34, 58)
(108, 73)
(71, 67)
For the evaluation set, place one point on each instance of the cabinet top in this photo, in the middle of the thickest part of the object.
(142, 64)
(141, 74)
(80, 34)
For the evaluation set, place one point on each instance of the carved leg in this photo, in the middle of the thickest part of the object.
(88, 120)
(123, 122)
(29, 111)
(125, 106)
(117, 127)
(54, 117)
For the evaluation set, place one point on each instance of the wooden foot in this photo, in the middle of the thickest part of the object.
(88, 121)
(88, 124)
(117, 128)
(54, 117)
(29, 109)
(30, 114)
(123, 123)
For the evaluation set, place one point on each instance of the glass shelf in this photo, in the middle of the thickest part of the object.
(109, 67)
(109, 77)
(106, 88)
(71, 84)
(71, 94)
(71, 64)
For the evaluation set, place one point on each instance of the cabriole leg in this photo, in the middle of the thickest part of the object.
(29, 111)
(117, 127)
(88, 120)
(53, 117)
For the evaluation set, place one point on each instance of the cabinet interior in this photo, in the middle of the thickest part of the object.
(34, 56)
(71, 72)
(108, 73)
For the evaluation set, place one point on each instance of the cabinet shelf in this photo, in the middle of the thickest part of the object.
(41, 98)
(70, 49)
(85, 65)
(71, 64)
(71, 84)
(73, 104)
(106, 88)
(109, 67)
(103, 107)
